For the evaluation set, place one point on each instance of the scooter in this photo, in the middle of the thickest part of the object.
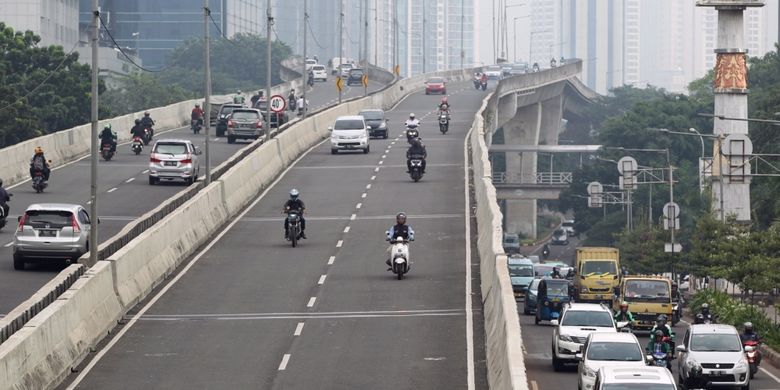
(444, 122)
(137, 146)
(195, 126)
(416, 171)
(293, 227)
(107, 152)
(477, 84)
(38, 182)
(411, 133)
(147, 136)
(753, 355)
(3, 217)
(659, 358)
(399, 257)
(483, 84)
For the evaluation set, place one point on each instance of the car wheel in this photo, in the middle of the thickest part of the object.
(427, 93)
(189, 181)
(444, 92)
(334, 151)
(231, 140)
(557, 363)
(526, 310)
(18, 262)
(365, 151)
(152, 181)
(386, 135)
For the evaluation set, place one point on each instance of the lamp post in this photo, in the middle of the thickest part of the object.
(137, 35)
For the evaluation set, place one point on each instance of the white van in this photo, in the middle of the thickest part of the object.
(319, 72)
(349, 133)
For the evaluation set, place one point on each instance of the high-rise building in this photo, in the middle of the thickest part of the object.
(55, 21)
(436, 34)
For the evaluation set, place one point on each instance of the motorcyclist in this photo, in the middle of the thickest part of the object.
(292, 100)
(295, 204)
(197, 114)
(412, 121)
(310, 78)
(39, 162)
(138, 130)
(546, 251)
(660, 324)
(484, 78)
(444, 107)
(705, 315)
(108, 136)
(400, 229)
(416, 151)
(148, 123)
(656, 342)
(556, 273)
(624, 314)
(239, 97)
(5, 197)
(676, 295)
(749, 334)
(255, 98)
(301, 104)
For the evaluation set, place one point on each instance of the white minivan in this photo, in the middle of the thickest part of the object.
(349, 133)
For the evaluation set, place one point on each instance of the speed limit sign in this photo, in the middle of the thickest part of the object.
(278, 104)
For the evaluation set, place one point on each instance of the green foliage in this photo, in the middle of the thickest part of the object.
(730, 311)
(63, 101)
(140, 91)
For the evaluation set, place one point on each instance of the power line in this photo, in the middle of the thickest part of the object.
(130, 59)
(219, 30)
(308, 22)
(42, 83)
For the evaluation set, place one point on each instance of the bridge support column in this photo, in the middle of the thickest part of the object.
(522, 129)
(552, 116)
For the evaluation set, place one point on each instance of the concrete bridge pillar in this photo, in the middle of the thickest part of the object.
(552, 116)
(522, 129)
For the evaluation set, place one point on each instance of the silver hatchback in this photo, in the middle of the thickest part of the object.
(174, 159)
(51, 231)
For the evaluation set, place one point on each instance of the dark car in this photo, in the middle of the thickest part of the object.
(222, 118)
(530, 297)
(275, 116)
(244, 123)
(355, 76)
(375, 119)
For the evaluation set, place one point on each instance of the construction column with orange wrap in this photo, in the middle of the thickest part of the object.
(730, 196)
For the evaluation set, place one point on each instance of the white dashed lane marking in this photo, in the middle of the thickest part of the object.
(311, 302)
(322, 279)
(298, 329)
(339, 243)
(129, 180)
(112, 190)
(285, 360)
(331, 260)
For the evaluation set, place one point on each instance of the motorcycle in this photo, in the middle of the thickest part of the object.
(399, 257)
(444, 122)
(477, 84)
(660, 358)
(753, 355)
(147, 136)
(483, 84)
(292, 104)
(411, 133)
(293, 227)
(545, 253)
(138, 145)
(311, 81)
(38, 181)
(416, 171)
(3, 217)
(676, 312)
(106, 151)
(195, 125)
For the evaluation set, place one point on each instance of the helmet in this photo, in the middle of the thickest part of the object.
(444, 99)
(146, 113)
(294, 194)
(661, 318)
(400, 218)
(238, 91)
(748, 325)
(38, 150)
(137, 121)
(107, 126)
(659, 333)
(197, 104)
(292, 89)
(624, 305)
(411, 116)
(705, 307)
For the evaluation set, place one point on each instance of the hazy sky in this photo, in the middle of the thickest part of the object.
(485, 30)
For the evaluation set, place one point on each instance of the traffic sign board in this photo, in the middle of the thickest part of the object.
(365, 80)
(278, 104)
(339, 84)
(595, 188)
(627, 166)
(672, 248)
(671, 214)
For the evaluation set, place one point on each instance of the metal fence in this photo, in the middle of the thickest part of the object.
(540, 178)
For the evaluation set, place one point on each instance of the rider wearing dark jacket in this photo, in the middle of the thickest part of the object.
(138, 130)
(416, 151)
(107, 136)
(148, 123)
(39, 162)
(4, 198)
(295, 204)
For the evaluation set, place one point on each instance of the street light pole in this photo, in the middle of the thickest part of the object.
(268, 26)
(207, 98)
(341, 42)
(365, 44)
(93, 234)
(305, 72)
(422, 37)
(701, 161)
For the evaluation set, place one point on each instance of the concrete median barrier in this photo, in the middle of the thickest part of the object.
(45, 350)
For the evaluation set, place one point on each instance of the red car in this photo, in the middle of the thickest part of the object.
(436, 85)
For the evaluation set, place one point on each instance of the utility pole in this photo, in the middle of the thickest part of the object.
(365, 43)
(305, 72)
(341, 42)
(268, 26)
(93, 206)
(376, 32)
(422, 37)
(395, 35)
(207, 98)
(462, 27)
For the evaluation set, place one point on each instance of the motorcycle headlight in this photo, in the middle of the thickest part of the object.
(566, 338)
(742, 365)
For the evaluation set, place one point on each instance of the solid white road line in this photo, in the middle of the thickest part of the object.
(112, 190)
(322, 279)
(765, 371)
(285, 360)
(534, 385)
(129, 180)
(339, 243)
(470, 378)
(346, 229)
(311, 302)
(298, 329)
(9, 244)
(99, 355)
(331, 260)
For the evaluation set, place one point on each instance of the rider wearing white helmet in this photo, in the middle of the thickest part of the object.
(295, 203)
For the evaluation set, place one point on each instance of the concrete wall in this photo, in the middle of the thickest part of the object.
(55, 341)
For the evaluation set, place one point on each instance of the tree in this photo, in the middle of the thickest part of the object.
(140, 91)
(43, 89)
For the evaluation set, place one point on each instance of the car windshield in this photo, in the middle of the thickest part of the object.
(318, 67)
(436, 80)
(557, 289)
(245, 115)
(613, 351)
(637, 386)
(522, 270)
(349, 124)
(227, 110)
(713, 342)
(511, 240)
(599, 319)
(371, 115)
(592, 267)
(170, 148)
(542, 269)
(47, 218)
(356, 72)
(647, 291)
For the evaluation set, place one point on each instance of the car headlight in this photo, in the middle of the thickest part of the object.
(583, 289)
(566, 338)
(531, 297)
(742, 365)
(589, 372)
(383, 125)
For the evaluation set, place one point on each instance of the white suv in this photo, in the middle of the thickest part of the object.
(607, 349)
(319, 72)
(578, 320)
(349, 133)
(638, 378)
(718, 350)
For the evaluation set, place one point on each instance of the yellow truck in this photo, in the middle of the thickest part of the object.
(647, 298)
(597, 274)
